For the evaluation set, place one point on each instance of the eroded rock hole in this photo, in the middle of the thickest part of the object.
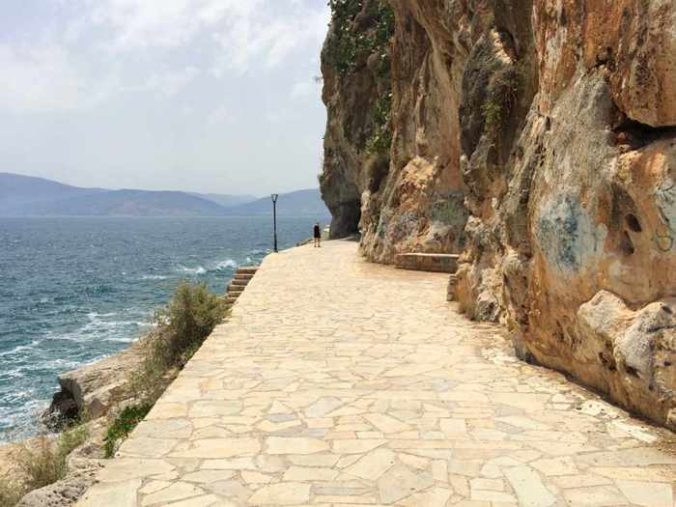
(633, 135)
(626, 245)
(608, 362)
(631, 370)
(633, 223)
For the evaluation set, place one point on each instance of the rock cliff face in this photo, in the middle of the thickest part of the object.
(538, 138)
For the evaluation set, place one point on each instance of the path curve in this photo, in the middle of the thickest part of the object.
(338, 382)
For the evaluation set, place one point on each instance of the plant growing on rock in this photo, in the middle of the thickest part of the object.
(381, 138)
(182, 327)
(449, 210)
(123, 425)
(349, 46)
(502, 94)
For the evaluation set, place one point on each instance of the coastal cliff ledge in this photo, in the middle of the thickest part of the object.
(536, 139)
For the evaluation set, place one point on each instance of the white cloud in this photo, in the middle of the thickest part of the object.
(246, 33)
(219, 116)
(38, 79)
(267, 35)
(68, 70)
(309, 88)
(140, 24)
(170, 83)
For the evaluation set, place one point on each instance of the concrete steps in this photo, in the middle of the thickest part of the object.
(239, 282)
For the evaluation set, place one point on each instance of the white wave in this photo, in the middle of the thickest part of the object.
(60, 364)
(120, 340)
(226, 264)
(20, 348)
(199, 270)
(96, 315)
(154, 277)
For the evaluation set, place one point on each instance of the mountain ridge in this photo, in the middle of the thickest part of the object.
(34, 196)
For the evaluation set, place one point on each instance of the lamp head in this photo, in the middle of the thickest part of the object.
(274, 197)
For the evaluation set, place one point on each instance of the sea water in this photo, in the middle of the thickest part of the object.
(75, 290)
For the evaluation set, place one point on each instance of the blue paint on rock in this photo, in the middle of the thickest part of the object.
(567, 235)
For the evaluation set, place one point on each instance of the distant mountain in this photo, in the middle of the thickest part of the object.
(19, 193)
(137, 203)
(227, 200)
(301, 202)
(30, 196)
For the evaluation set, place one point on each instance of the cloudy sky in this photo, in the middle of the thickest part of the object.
(200, 95)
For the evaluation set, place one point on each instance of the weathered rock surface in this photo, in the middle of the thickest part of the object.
(62, 493)
(96, 388)
(538, 138)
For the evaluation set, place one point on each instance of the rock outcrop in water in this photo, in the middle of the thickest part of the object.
(538, 138)
(93, 390)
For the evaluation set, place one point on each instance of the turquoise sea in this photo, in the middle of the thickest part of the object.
(74, 290)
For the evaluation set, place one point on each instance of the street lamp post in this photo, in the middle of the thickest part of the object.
(274, 198)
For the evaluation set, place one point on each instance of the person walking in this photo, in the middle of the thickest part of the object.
(317, 235)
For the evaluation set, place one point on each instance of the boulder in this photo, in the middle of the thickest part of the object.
(94, 389)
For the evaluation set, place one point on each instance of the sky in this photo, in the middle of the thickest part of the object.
(195, 95)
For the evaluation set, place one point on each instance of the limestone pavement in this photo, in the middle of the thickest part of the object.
(341, 383)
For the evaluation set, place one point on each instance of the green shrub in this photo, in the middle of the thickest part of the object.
(123, 425)
(190, 317)
(502, 94)
(381, 139)
(182, 327)
(348, 46)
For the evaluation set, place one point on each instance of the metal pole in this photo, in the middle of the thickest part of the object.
(274, 220)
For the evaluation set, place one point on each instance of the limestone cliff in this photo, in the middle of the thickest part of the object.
(357, 92)
(538, 138)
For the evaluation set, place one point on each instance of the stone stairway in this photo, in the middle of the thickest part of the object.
(242, 278)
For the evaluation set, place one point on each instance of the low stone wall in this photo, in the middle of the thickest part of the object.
(439, 263)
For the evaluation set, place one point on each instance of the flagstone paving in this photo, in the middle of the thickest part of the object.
(338, 382)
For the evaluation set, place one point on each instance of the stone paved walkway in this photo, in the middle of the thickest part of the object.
(338, 382)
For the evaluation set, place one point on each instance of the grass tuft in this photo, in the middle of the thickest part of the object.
(41, 464)
(123, 425)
